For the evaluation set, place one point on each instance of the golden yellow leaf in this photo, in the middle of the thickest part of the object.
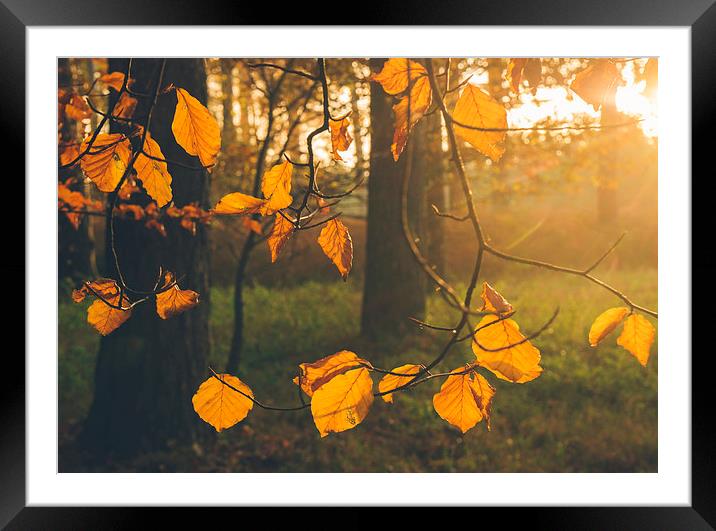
(154, 173)
(113, 79)
(476, 108)
(107, 160)
(104, 318)
(276, 187)
(221, 406)
(597, 82)
(68, 153)
(391, 381)
(280, 233)
(637, 337)
(313, 375)
(336, 242)
(394, 75)
(410, 107)
(343, 402)
(340, 137)
(493, 301)
(605, 323)
(464, 399)
(195, 129)
(174, 300)
(77, 108)
(519, 363)
(239, 204)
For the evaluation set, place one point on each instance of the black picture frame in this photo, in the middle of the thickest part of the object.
(700, 15)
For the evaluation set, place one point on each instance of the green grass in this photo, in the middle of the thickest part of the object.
(592, 410)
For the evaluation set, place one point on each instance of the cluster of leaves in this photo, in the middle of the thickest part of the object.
(119, 163)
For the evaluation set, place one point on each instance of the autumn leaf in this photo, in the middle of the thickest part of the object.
(493, 301)
(107, 160)
(113, 79)
(597, 82)
(71, 200)
(103, 317)
(280, 233)
(174, 300)
(77, 108)
(154, 173)
(524, 69)
(342, 402)
(239, 204)
(519, 363)
(313, 375)
(68, 153)
(252, 225)
(340, 137)
(221, 406)
(464, 399)
(126, 106)
(276, 187)
(397, 73)
(637, 337)
(605, 323)
(336, 242)
(476, 108)
(195, 129)
(391, 381)
(411, 107)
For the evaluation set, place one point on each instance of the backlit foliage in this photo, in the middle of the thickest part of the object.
(339, 388)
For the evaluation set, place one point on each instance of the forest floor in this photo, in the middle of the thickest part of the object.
(592, 410)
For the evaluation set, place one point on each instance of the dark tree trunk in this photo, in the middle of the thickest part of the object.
(394, 283)
(148, 369)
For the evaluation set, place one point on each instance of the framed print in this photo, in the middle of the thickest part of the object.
(416, 261)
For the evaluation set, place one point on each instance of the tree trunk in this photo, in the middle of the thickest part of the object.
(394, 283)
(148, 369)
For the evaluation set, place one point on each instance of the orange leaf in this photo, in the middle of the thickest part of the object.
(195, 129)
(519, 363)
(252, 225)
(239, 204)
(313, 375)
(221, 406)
(276, 187)
(493, 301)
(524, 69)
(597, 82)
(114, 80)
(476, 108)
(411, 107)
(77, 108)
(335, 240)
(637, 337)
(174, 300)
(68, 153)
(343, 402)
(280, 233)
(103, 317)
(391, 381)
(340, 137)
(103, 286)
(394, 75)
(107, 160)
(605, 323)
(125, 106)
(154, 173)
(71, 200)
(464, 399)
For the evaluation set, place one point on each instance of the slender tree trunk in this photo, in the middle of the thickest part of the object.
(607, 204)
(227, 89)
(394, 284)
(148, 369)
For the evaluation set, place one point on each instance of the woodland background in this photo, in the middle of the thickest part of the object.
(563, 196)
